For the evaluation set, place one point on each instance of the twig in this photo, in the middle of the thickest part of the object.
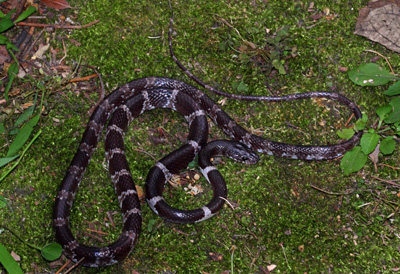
(333, 193)
(284, 253)
(392, 167)
(75, 265)
(226, 200)
(64, 266)
(387, 61)
(145, 152)
(348, 121)
(97, 231)
(81, 79)
(29, 24)
(385, 181)
(102, 91)
(94, 237)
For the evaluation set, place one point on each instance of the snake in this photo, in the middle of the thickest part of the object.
(130, 100)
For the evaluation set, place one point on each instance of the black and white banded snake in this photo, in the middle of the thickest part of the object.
(129, 101)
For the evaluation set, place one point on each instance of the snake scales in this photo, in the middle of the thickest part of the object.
(130, 100)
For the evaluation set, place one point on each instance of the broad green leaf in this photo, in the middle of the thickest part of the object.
(10, 47)
(52, 251)
(370, 74)
(3, 202)
(368, 142)
(393, 89)
(22, 136)
(24, 116)
(345, 133)
(353, 160)
(8, 261)
(5, 24)
(278, 65)
(383, 110)
(387, 145)
(364, 117)
(394, 116)
(360, 125)
(4, 40)
(12, 72)
(25, 14)
(4, 161)
(242, 87)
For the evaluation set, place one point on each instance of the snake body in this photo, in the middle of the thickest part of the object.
(129, 101)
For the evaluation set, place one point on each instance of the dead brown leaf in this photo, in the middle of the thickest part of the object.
(374, 156)
(216, 257)
(56, 4)
(379, 21)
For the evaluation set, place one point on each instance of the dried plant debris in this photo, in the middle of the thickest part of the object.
(379, 21)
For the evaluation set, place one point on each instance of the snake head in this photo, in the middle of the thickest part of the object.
(241, 153)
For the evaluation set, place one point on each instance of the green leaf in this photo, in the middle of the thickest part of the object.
(12, 72)
(364, 117)
(8, 261)
(353, 160)
(2, 128)
(394, 116)
(368, 142)
(4, 40)
(51, 251)
(278, 65)
(393, 89)
(360, 125)
(22, 136)
(5, 24)
(150, 225)
(387, 145)
(25, 14)
(192, 164)
(370, 74)
(3, 202)
(4, 161)
(345, 133)
(383, 110)
(242, 87)
(24, 116)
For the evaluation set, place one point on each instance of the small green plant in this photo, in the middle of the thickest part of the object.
(378, 138)
(5, 24)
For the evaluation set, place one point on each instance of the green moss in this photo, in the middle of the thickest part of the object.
(277, 210)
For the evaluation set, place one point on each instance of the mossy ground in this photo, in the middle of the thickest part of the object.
(280, 218)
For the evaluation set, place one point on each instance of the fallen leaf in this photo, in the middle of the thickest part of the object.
(374, 156)
(15, 256)
(39, 53)
(56, 4)
(379, 21)
(216, 257)
(140, 192)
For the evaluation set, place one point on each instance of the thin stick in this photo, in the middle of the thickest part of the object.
(64, 266)
(29, 24)
(81, 79)
(348, 121)
(333, 193)
(387, 61)
(97, 231)
(75, 265)
(284, 253)
(392, 167)
(385, 181)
